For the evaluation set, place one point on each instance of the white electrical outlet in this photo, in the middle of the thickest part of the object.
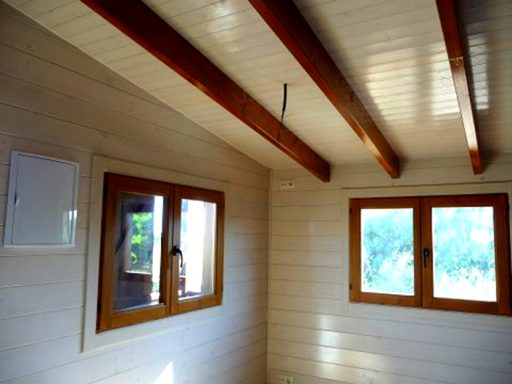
(281, 379)
(287, 184)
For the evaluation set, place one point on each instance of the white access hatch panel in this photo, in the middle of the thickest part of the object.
(41, 202)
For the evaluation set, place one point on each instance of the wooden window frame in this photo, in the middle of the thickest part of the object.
(187, 305)
(169, 305)
(356, 293)
(423, 273)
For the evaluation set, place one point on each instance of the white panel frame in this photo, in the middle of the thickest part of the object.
(131, 334)
(11, 197)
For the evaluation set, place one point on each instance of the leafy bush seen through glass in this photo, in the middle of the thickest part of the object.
(464, 256)
(387, 251)
(141, 253)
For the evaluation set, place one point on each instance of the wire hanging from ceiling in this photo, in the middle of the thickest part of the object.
(285, 97)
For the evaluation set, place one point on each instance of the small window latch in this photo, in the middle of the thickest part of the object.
(176, 251)
(426, 254)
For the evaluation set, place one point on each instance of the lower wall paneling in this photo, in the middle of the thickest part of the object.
(317, 336)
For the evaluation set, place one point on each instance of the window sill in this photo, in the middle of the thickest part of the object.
(135, 333)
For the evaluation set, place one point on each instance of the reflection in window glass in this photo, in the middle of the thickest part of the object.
(464, 256)
(138, 251)
(387, 250)
(197, 237)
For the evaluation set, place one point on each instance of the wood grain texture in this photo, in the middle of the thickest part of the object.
(289, 25)
(459, 64)
(144, 26)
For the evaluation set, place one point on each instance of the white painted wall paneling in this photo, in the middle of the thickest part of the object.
(317, 336)
(57, 102)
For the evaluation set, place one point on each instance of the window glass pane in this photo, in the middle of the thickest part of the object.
(197, 237)
(387, 251)
(464, 261)
(138, 250)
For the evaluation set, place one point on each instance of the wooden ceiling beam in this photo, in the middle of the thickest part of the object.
(145, 27)
(285, 19)
(459, 63)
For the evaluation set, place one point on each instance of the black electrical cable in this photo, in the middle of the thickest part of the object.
(285, 97)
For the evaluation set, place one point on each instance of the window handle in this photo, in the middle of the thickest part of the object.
(176, 251)
(426, 254)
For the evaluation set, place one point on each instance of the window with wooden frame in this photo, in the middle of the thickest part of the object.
(161, 250)
(443, 252)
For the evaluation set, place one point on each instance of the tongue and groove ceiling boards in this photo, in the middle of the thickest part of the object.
(392, 54)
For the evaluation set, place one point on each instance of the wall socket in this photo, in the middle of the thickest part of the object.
(287, 184)
(281, 379)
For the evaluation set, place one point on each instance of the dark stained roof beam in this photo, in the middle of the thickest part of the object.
(145, 27)
(285, 19)
(458, 63)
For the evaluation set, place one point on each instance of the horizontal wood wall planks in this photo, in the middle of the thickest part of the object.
(62, 103)
(284, 18)
(144, 26)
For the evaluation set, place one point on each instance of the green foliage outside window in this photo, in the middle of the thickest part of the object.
(463, 242)
(387, 249)
(142, 242)
(464, 261)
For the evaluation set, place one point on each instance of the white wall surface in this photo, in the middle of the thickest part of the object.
(317, 336)
(55, 101)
